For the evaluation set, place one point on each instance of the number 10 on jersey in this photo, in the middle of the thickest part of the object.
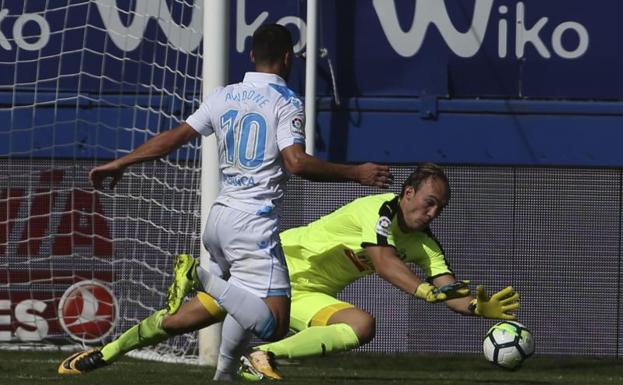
(245, 139)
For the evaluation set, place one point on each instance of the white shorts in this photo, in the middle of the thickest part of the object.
(246, 249)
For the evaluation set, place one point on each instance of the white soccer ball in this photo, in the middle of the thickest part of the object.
(508, 344)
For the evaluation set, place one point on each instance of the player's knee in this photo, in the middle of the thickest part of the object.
(277, 335)
(280, 317)
(280, 331)
(365, 328)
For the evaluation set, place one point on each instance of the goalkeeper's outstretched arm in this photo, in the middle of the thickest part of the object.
(501, 305)
(392, 269)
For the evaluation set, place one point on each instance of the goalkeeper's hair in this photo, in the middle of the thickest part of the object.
(422, 173)
(270, 43)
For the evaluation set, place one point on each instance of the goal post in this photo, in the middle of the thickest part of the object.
(215, 73)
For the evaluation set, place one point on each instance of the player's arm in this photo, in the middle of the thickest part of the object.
(156, 147)
(298, 162)
(459, 305)
(501, 305)
(392, 269)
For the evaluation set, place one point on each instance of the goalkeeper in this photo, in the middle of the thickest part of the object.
(374, 234)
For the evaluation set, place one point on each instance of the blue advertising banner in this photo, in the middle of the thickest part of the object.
(456, 48)
(481, 48)
(84, 78)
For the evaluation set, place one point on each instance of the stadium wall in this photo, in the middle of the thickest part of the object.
(388, 130)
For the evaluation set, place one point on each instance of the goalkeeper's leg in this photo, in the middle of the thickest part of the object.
(324, 324)
(344, 329)
(160, 326)
(156, 328)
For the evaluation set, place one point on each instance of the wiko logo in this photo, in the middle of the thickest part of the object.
(187, 36)
(127, 38)
(468, 43)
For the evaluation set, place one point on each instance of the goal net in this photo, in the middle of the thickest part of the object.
(81, 83)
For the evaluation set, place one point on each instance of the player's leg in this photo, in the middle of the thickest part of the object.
(280, 308)
(193, 315)
(325, 325)
(234, 341)
(359, 321)
(319, 320)
(199, 312)
(261, 364)
(250, 245)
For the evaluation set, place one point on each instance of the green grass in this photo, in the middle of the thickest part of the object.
(21, 368)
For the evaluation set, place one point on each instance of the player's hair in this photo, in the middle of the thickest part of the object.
(270, 43)
(422, 173)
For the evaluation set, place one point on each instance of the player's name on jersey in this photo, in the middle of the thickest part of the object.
(249, 95)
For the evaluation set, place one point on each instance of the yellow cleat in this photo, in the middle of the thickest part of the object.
(185, 271)
(82, 362)
(257, 366)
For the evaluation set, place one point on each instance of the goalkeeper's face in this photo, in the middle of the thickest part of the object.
(419, 207)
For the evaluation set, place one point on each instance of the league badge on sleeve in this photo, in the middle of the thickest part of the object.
(382, 226)
(297, 126)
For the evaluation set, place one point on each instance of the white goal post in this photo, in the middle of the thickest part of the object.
(215, 73)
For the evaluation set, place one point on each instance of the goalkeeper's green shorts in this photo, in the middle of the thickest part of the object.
(313, 309)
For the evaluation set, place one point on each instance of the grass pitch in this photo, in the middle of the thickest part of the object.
(33, 368)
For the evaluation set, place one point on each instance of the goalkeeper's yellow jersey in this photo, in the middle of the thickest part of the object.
(329, 253)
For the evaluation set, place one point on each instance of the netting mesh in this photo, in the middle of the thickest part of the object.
(130, 248)
(85, 82)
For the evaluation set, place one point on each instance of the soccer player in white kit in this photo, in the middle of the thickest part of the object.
(259, 126)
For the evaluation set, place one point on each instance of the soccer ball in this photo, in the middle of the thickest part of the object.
(508, 344)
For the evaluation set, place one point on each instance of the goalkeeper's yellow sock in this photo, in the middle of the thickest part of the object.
(314, 341)
(148, 332)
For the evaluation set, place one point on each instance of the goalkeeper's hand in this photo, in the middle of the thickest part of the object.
(432, 294)
(500, 305)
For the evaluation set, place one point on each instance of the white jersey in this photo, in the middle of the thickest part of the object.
(253, 121)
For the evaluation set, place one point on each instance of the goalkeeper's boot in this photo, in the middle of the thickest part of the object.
(186, 280)
(258, 365)
(82, 362)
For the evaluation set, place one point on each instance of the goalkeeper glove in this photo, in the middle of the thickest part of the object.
(432, 294)
(498, 306)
